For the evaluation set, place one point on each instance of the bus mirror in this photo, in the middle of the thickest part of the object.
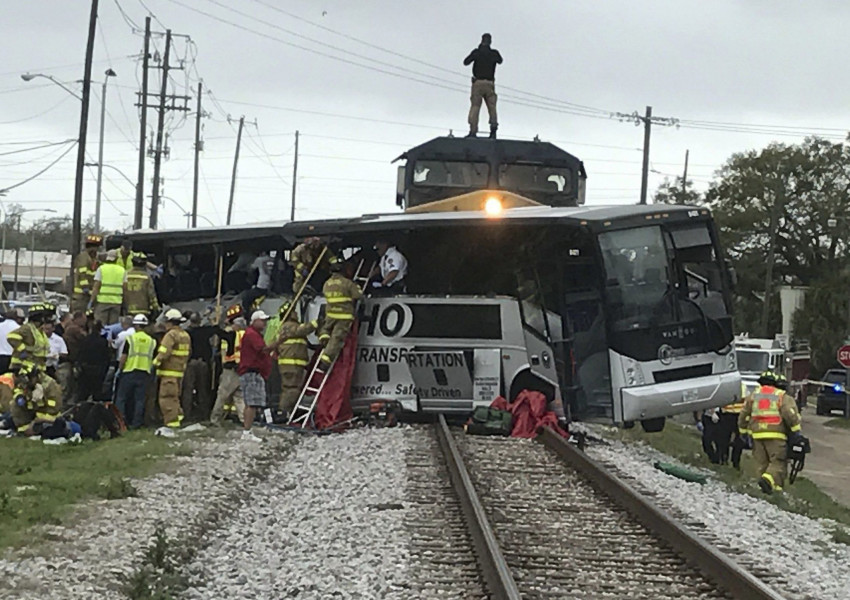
(399, 187)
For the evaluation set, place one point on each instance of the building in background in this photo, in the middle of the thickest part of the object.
(37, 271)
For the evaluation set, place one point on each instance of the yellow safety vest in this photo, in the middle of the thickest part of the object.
(139, 353)
(737, 407)
(111, 284)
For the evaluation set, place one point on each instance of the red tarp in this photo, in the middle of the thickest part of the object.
(334, 404)
(530, 414)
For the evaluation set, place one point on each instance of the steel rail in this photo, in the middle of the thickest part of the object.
(714, 564)
(494, 568)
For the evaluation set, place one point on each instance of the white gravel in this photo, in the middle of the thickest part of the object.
(804, 562)
(326, 524)
(103, 542)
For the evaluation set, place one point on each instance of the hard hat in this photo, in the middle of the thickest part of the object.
(234, 311)
(139, 258)
(284, 307)
(336, 266)
(782, 382)
(111, 256)
(259, 314)
(140, 320)
(767, 378)
(174, 316)
(94, 240)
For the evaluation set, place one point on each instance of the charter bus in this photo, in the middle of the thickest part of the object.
(618, 314)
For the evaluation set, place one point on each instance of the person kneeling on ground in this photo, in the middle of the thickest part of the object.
(36, 400)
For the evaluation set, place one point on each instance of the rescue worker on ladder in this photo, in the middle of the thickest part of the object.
(170, 362)
(292, 355)
(108, 291)
(728, 437)
(85, 264)
(229, 397)
(29, 343)
(770, 416)
(139, 292)
(304, 257)
(341, 294)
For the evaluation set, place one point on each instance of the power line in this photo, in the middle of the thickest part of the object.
(46, 145)
(44, 170)
(38, 114)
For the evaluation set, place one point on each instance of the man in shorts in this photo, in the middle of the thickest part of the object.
(255, 365)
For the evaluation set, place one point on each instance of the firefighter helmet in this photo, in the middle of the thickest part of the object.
(234, 312)
(767, 378)
(782, 382)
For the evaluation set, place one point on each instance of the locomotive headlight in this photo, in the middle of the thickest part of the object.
(493, 206)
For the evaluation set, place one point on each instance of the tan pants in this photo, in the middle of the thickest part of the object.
(770, 456)
(107, 314)
(80, 302)
(169, 401)
(486, 91)
(291, 382)
(334, 331)
(229, 397)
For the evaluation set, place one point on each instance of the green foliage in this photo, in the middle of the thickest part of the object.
(159, 578)
(823, 319)
(40, 482)
(671, 192)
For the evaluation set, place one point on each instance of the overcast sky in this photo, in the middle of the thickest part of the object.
(349, 75)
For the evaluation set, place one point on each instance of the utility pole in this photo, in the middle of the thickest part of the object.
(77, 220)
(647, 120)
(771, 260)
(140, 183)
(235, 163)
(644, 177)
(294, 178)
(197, 159)
(685, 174)
(157, 159)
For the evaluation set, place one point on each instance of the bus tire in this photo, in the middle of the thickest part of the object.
(526, 380)
(628, 424)
(653, 425)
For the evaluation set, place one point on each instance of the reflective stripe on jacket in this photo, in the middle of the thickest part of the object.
(173, 353)
(139, 293)
(30, 346)
(237, 347)
(769, 414)
(84, 268)
(292, 342)
(340, 293)
(140, 347)
(111, 284)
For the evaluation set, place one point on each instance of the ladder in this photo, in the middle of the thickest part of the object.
(305, 406)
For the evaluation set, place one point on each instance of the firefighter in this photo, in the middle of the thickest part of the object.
(304, 257)
(170, 362)
(139, 292)
(769, 416)
(341, 294)
(108, 290)
(29, 343)
(728, 436)
(36, 399)
(229, 400)
(292, 356)
(85, 264)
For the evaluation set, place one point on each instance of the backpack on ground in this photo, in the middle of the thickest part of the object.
(490, 421)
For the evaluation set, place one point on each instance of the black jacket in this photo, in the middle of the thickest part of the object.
(484, 60)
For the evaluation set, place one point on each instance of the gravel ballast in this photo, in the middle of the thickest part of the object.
(796, 554)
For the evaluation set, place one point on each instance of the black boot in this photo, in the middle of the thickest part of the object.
(493, 129)
(472, 134)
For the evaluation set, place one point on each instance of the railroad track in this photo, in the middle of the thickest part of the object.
(545, 521)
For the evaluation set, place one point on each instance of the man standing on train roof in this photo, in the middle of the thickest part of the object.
(388, 275)
(85, 264)
(484, 60)
(304, 257)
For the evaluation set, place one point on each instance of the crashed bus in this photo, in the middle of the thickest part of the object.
(617, 314)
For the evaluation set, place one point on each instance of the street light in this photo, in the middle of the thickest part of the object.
(108, 73)
(31, 76)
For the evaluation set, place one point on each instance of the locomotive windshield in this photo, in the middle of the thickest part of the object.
(451, 174)
(535, 178)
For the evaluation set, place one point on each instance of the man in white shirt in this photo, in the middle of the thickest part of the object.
(391, 270)
(57, 352)
(13, 320)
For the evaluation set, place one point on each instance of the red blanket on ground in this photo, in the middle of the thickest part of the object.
(334, 404)
(530, 414)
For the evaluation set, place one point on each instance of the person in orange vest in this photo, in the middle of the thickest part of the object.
(769, 416)
(229, 397)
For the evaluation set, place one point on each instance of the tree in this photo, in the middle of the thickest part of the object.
(802, 193)
(674, 193)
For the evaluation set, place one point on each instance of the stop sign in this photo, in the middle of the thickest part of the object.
(844, 356)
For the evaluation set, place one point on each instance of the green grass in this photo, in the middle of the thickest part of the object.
(683, 443)
(840, 423)
(39, 483)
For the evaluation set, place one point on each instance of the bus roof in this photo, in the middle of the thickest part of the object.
(595, 217)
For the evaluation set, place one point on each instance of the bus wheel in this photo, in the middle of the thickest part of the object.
(653, 425)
